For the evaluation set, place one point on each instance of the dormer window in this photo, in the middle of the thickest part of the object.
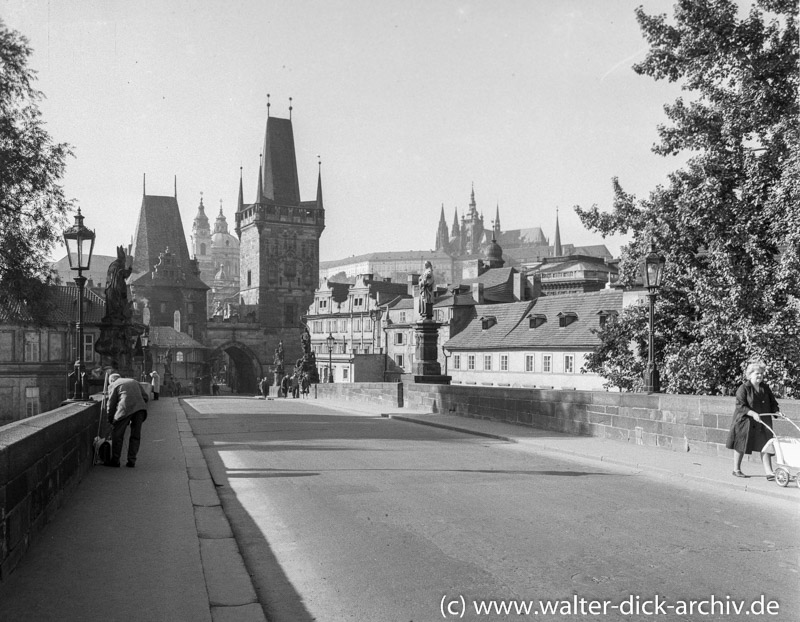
(536, 320)
(605, 316)
(487, 321)
(566, 318)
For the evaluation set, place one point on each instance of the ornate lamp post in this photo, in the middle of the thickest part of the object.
(80, 243)
(653, 275)
(330, 340)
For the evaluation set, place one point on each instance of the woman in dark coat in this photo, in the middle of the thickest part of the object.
(754, 403)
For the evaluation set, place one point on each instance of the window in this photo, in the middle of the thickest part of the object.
(457, 361)
(249, 278)
(358, 302)
(398, 339)
(6, 346)
(487, 362)
(606, 316)
(529, 362)
(398, 358)
(367, 324)
(345, 373)
(471, 361)
(565, 319)
(547, 363)
(488, 321)
(504, 362)
(323, 303)
(88, 347)
(569, 363)
(536, 320)
(179, 356)
(31, 401)
(356, 325)
(343, 326)
(32, 347)
(402, 318)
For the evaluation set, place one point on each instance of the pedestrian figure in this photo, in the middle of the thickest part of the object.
(754, 403)
(127, 405)
(304, 384)
(155, 381)
(295, 386)
(285, 386)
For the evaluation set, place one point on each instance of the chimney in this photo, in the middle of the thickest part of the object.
(413, 283)
(477, 292)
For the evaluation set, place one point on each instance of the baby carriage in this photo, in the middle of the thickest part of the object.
(787, 455)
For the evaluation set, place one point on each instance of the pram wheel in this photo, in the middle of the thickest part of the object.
(781, 477)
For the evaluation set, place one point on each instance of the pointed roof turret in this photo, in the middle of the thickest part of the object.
(497, 220)
(558, 250)
(455, 230)
(319, 182)
(240, 203)
(279, 165)
(260, 192)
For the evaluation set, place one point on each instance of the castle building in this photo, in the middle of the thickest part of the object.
(279, 236)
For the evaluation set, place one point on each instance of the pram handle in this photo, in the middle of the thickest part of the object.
(782, 416)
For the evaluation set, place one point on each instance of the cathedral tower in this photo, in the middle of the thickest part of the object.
(279, 236)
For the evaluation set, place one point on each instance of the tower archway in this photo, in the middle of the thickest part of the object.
(237, 366)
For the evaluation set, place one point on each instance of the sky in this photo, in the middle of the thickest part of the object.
(408, 105)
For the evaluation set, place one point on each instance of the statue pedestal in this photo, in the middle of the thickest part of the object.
(115, 345)
(426, 368)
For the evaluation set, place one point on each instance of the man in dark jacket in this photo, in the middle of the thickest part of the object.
(127, 405)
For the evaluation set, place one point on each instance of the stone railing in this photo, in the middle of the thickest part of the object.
(387, 393)
(41, 460)
(676, 422)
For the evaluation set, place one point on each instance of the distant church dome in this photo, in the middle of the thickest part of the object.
(221, 238)
(493, 254)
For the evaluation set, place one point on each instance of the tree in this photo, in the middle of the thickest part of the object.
(33, 208)
(729, 220)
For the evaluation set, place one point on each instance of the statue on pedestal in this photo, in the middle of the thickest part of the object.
(426, 286)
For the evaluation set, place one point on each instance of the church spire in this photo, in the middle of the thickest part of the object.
(497, 221)
(442, 238)
(558, 250)
(455, 231)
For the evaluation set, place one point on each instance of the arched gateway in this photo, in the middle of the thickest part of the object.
(240, 370)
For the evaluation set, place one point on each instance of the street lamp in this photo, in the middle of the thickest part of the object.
(653, 275)
(145, 344)
(79, 242)
(330, 340)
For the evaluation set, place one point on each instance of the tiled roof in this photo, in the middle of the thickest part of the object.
(498, 284)
(512, 330)
(456, 300)
(166, 336)
(280, 164)
(159, 227)
(64, 307)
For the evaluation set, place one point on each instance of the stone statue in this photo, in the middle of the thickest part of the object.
(305, 339)
(116, 288)
(426, 291)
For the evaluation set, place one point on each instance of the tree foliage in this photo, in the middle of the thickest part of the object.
(729, 220)
(33, 207)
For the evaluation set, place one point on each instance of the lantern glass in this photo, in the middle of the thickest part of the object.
(653, 269)
(331, 340)
(79, 242)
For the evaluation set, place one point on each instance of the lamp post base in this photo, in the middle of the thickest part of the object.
(651, 379)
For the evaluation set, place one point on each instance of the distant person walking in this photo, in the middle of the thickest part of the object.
(754, 403)
(127, 405)
(155, 381)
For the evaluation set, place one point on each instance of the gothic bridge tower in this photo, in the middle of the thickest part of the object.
(279, 236)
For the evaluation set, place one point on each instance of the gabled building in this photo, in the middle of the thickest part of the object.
(539, 343)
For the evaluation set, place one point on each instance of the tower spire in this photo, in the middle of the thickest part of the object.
(240, 204)
(319, 182)
(260, 178)
(176, 187)
(290, 109)
(267, 105)
(144, 184)
(558, 250)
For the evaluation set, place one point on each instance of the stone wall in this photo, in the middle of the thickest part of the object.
(389, 394)
(677, 422)
(41, 460)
